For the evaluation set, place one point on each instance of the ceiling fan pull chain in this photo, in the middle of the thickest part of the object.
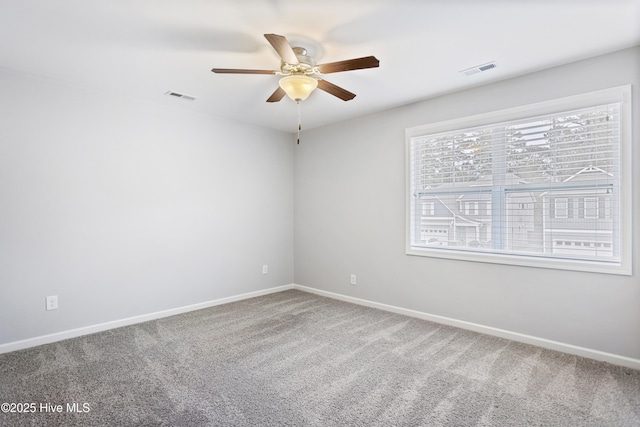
(299, 120)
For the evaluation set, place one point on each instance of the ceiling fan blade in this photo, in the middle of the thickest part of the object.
(349, 64)
(241, 71)
(282, 46)
(277, 95)
(334, 90)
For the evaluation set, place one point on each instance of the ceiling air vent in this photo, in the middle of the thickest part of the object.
(478, 68)
(181, 96)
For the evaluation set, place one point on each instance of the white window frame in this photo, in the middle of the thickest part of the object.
(471, 208)
(587, 209)
(564, 209)
(428, 208)
(622, 95)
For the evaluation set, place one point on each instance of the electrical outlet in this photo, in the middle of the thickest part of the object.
(52, 302)
(265, 269)
(353, 279)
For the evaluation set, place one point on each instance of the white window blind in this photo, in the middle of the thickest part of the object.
(551, 183)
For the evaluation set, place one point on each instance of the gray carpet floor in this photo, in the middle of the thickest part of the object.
(298, 359)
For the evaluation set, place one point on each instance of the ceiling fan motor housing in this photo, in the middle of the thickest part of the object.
(306, 65)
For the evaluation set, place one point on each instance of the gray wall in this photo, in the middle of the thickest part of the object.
(123, 207)
(350, 218)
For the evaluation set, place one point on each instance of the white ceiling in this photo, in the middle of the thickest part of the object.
(144, 48)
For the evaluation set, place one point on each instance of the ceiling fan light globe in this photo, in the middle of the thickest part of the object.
(298, 87)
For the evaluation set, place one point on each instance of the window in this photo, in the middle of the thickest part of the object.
(554, 178)
(428, 208)
(591, 207)
(561, 208)
(471, 208)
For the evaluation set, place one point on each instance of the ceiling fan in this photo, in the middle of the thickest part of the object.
(301, 75)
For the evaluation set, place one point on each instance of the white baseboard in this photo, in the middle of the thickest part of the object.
(86, 330)
(488, 330)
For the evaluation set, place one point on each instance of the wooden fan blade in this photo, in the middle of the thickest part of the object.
(277, 95)
(282, 46)
(334, 90)
(241, 71)
(349, 64)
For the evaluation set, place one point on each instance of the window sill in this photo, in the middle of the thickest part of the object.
(618, 268)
